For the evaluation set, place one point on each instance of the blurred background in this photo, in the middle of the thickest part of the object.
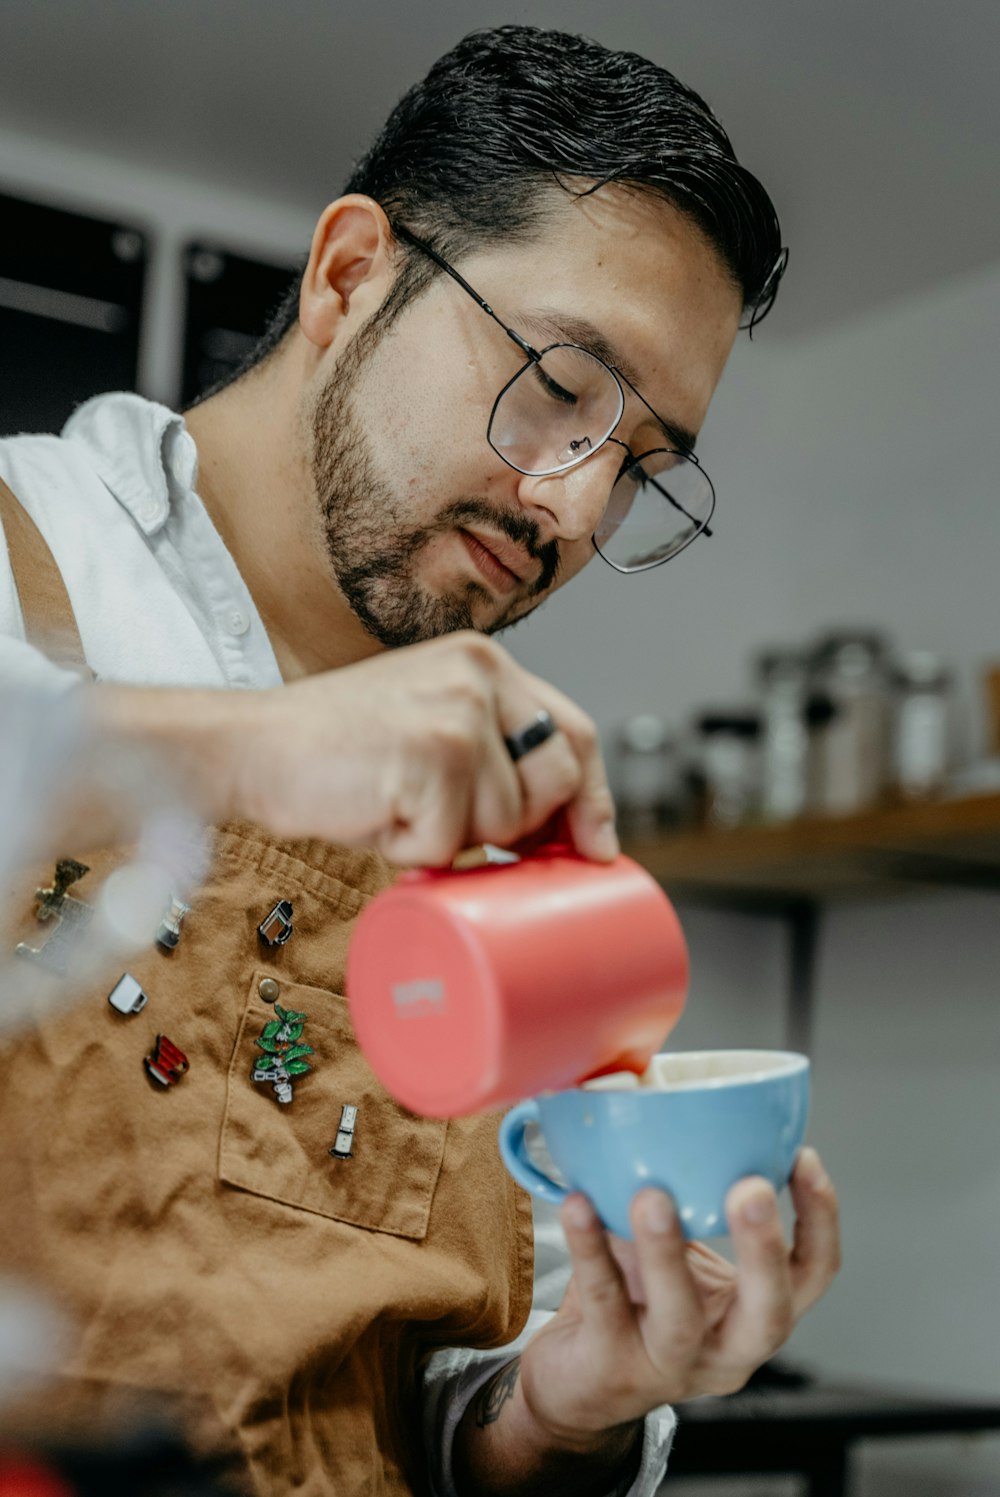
(161, 169)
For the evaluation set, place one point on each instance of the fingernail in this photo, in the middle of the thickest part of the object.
(579, 1213)
(759, 1208)
(657, 1214)
(606, 841)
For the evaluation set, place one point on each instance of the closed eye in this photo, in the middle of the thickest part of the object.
(556, 391)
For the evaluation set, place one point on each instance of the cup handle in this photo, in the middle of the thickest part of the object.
(515, 1154)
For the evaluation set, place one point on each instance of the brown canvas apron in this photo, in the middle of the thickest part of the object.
(213, 1253)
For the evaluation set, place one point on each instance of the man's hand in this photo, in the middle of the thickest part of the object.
(403, 752)
(644, 1323)
(659, 1321)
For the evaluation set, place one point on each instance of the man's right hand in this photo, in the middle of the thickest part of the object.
(403, 752)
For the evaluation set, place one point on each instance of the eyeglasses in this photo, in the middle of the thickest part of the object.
(560, 407)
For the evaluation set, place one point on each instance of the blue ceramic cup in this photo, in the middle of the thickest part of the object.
(693, 1125)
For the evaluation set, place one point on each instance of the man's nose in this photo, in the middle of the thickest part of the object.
(572, 502)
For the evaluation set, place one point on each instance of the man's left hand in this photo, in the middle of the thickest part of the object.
(660, 1320)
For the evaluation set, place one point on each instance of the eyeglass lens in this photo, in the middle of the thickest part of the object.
(658, 505)
(555, 411)
(559, 409)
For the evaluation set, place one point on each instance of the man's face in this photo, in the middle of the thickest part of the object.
(427, 529)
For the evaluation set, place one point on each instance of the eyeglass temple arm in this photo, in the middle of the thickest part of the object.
(637, 461)
(432, 254)
(671, 500)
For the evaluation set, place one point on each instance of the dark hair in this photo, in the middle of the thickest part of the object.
(466, 155)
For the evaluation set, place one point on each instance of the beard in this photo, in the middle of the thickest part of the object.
(374, 552)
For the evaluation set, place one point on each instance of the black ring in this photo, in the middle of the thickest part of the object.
(530, 736)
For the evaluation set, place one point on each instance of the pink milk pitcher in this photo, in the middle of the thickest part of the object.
(472, 988)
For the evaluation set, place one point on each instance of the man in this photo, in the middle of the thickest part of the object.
(503, 346)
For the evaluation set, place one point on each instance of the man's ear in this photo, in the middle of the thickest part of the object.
(350, 268)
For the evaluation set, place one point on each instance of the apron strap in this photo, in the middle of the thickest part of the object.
(49, 621)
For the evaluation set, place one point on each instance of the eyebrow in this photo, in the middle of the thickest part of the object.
(581, 331)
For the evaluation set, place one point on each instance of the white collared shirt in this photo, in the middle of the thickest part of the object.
(159, 602)
(157, 596)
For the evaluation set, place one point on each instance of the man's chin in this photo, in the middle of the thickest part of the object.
(396, 614)
(513, 615)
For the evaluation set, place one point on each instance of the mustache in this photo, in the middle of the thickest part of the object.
(517, 528)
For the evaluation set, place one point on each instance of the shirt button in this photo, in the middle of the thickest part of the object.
(149, 513)
(237, 621)
(268, 989)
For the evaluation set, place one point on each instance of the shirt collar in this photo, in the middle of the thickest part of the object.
(142, 451)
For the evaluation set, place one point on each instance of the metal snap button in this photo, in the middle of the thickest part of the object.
(268, 989)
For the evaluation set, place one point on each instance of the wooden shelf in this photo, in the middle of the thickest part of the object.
(892, 850)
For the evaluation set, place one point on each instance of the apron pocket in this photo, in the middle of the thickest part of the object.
(281, 1150)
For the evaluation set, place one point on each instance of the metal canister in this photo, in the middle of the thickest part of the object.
(849, 756)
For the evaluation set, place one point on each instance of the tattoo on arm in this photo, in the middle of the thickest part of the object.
(491, 1398)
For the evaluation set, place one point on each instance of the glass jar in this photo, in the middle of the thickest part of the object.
(729, 766)
(849, 756)
(783, 677)
(921, 724)
(646, 775)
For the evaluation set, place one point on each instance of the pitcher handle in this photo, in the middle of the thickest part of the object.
(515, 1154)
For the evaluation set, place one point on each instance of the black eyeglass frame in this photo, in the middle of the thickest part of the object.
(535, 356)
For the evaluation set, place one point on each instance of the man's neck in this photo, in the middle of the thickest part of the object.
(255, 481)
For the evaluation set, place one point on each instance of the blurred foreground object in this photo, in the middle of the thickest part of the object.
(51, 765)
(145, 1461)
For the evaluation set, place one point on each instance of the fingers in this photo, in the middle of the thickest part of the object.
(715, 1280)
(602, 1295)
(674, 1326)
(774, 1287)
(407, 751)
(815, 1258)
(547, 777)
(567, 770)
(761, 1316)
(430, 825)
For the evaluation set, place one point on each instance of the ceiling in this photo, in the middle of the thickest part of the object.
(875, 124)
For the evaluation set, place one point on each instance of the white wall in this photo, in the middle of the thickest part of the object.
(857, 482)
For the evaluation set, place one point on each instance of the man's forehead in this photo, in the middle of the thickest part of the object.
(621, 230)
(623, 259)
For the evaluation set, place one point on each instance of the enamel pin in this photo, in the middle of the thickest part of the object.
(169, 933)
(343, 1144)
(127, 996)
(284, 1055)
(71, 918)
(166, 1064)
(276, 928)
